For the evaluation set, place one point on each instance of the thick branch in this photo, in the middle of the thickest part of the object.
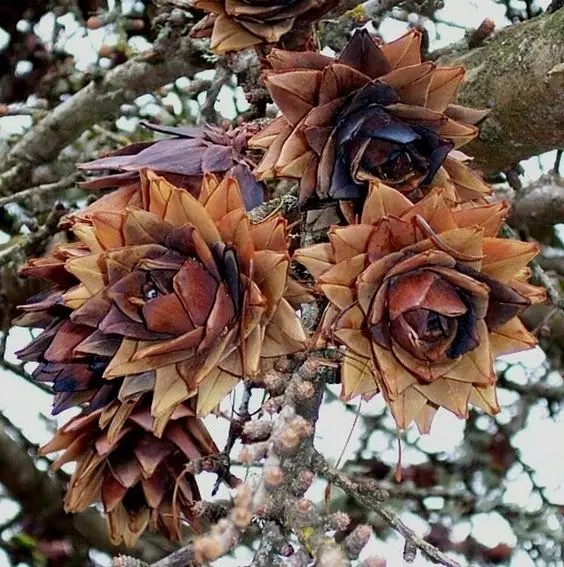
(542, 202)
(552, 260)
(40, 495)
(173, 56)
(520, 76)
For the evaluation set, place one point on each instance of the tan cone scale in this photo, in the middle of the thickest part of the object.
(139, 478)
(376, 112)
(236, 24)
(423, 297)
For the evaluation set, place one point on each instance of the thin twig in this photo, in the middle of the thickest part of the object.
(222, 77)
(286, 205)
(19, 370)
(35, 241)
(39, 190)
(371, 497)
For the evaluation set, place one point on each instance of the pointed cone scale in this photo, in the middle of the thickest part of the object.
(363, 54)
(357, 377)
(404, 51)
(213, 389)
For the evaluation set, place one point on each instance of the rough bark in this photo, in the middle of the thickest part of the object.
(519, 75)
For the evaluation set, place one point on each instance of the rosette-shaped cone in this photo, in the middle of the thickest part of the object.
(180, 297)
(140, 479)
(423, 297)
(183, 160)
(376, 112)
(236, 24)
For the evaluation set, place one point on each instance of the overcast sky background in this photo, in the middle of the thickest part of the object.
(24, 404)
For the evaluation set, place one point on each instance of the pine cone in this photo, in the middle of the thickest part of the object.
(141, 479)
(376, 112)
(424, 297)
(180, 297)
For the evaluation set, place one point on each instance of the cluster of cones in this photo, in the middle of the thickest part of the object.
(169, 295)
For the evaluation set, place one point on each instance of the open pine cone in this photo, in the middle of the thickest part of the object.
(376, 112)
(180, 297)
(141, 479)
(236, 24)
(182, 160)
(164, 302)
(423, 297)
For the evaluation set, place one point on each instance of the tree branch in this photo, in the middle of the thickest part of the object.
(173, 56)
(519, 74)
(542, 202)
(271, 541)
(34, 243)
(39, 190)
(535, 316)
(370, 496)
(373, 8)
